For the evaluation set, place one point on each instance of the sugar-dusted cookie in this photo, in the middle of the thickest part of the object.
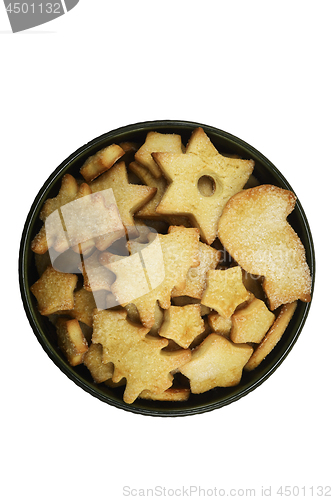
(54, 291)
(250, 323)
(182, 324)
(101, 161)
(273, 336)
(136, 356)
(217, 362)
(254, 230)
(156, 141)
(225, 290)
(185, 172)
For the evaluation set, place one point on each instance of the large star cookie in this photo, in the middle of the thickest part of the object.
(190, 173)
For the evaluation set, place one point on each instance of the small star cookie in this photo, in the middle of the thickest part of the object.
(217, 362)
(182, 324)
(54, 291)
(225, 290)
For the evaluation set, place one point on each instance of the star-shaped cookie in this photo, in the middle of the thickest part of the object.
(185, 172)
(54, 291)
(225, 290)
(217, 362)
(182, 324)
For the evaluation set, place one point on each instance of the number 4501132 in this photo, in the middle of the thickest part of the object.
(34, 8)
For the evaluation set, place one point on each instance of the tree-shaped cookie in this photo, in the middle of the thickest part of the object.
(135, 355)
(186, 172)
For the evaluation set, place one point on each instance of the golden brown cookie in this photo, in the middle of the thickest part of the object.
(217, 362)
(71, 340)
(250, 323)
(101, 161)
(182, 324)
(136, 356)
(225, 290)
(54, 291)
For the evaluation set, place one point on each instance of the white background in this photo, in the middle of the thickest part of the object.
(259, 70)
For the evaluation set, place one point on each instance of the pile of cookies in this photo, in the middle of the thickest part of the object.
(168, 269)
